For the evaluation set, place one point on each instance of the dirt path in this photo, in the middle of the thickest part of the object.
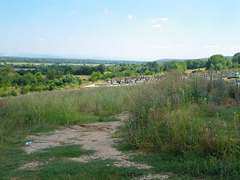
(94, 136)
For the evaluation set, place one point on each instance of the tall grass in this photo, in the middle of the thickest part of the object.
(178, 116)
(40, 111)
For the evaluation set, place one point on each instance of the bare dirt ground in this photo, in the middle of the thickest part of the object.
(94, 136)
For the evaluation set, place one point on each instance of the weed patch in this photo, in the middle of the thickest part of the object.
(38, 112)
(63, 169)
(177, 117)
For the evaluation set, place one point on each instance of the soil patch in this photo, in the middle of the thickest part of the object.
(94, 136)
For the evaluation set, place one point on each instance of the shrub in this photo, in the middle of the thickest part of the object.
(13, 93)
(177, 116)
(4, 95)
(25, 89)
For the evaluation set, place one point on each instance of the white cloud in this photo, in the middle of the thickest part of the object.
(163, 19)
(130, 17)
(155, 20)
(41, 39)
(157, 26)
(152, 20)
(70, 39)
(180, 45)
(211, 46)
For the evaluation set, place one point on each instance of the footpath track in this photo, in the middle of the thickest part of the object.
(94, 136)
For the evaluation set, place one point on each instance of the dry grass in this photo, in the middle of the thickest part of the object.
(176, 116)
(191, 70)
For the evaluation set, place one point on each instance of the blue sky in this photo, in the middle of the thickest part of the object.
(120, 29)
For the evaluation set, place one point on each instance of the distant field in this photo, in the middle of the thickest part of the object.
(23, 63)
(85, 76)
(191, 70)
(85, 64)
(18, 69)
(24, 69)
(38, 64)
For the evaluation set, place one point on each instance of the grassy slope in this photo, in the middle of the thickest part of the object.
(39, 112)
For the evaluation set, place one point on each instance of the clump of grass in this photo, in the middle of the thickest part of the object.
(177, 116)
(189, 166)
(59, 152)
(96, 170)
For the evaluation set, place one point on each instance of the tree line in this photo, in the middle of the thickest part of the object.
(48, 77)
(11, 81)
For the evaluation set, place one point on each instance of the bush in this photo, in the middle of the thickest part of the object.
(95, 76)
(177, 116)
(4, 95)
(52, 86)
(12, 93)
(25, 89)
(36, 88)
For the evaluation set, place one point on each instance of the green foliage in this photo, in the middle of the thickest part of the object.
(178, 116)
(236, 58)
(36, 88)
(13, 93)
(25, 89)
(147, 72)
(196, 64)
(95, 76)
(37, 111)
(53, 73)
(60, 151)
(34, 83)
(96, 170)
(216, 62)
(190, 166)
(65, 80)
(68, 70)
(39, 77)
(52, 86)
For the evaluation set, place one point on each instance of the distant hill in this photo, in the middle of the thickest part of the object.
(165, 60)
(169, 59)
(61, 60)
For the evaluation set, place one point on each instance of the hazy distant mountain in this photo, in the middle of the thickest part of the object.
(32, 55)
(169, 59)
(72, 56)
(27, 57)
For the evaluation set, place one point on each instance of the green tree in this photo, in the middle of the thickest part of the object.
(68, 70)
(229, 63)
(236, 58)
(101, 68)
(96, 76)
(147, 72)
(53, 73)
(218, 62)
(39, 77)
